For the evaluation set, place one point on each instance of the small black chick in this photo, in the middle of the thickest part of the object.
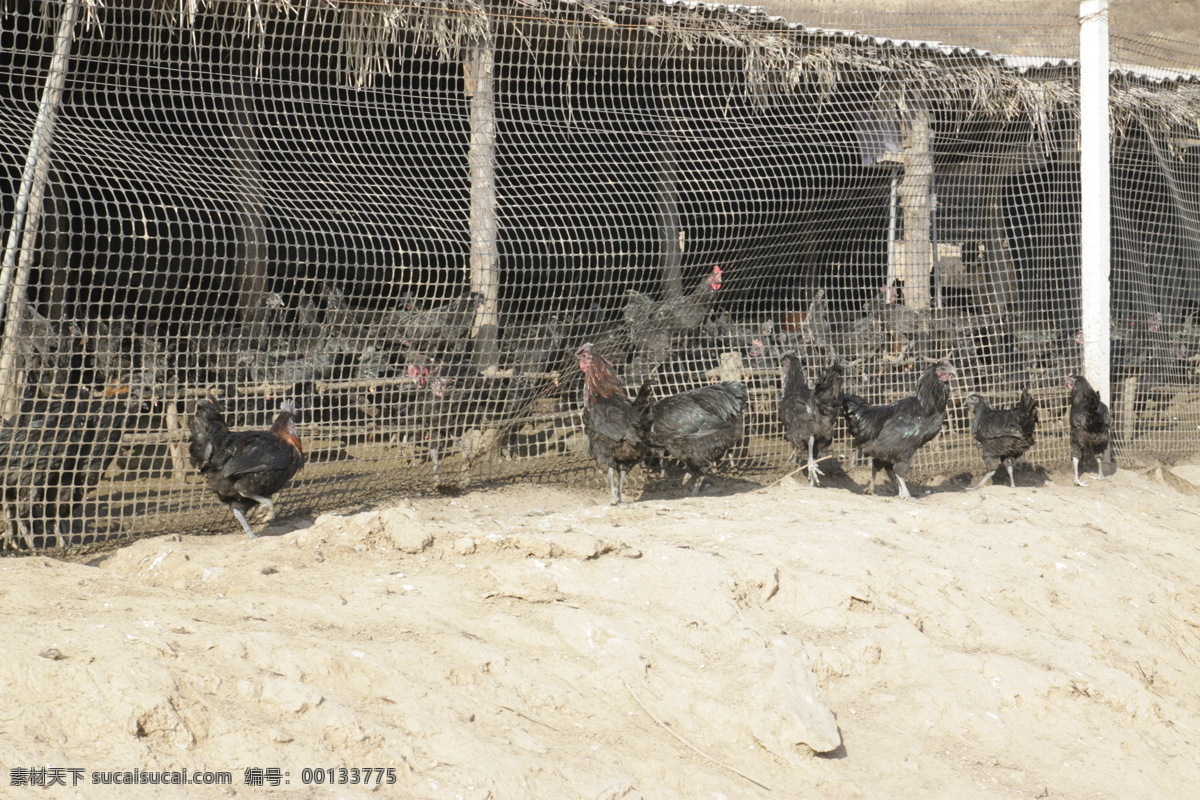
(244, 468)
(1090, 425)
(808, 416)
(1004, 434)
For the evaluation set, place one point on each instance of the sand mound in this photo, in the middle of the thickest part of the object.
(532, 643)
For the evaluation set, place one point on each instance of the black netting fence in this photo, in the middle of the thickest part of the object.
(406, 217)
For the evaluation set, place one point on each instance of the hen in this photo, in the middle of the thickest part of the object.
(453, 399)
(1090, 425)
(55, 451)
(893, 433)
(244, 468)
(698, 427)
(674, 314)
(442, 328)
(616, 427)
(808, 416)
(653, 324)
(1004, 434)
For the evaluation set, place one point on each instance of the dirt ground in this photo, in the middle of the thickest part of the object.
(532, 642)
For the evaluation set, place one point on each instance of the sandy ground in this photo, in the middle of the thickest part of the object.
(531, 642)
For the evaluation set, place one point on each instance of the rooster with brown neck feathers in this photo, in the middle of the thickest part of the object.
(616, 426)
(244, 468)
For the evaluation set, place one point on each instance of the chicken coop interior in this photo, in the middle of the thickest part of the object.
(405, 219)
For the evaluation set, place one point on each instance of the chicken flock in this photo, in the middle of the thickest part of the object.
(404, 376)
(696, 428)
(701, 426)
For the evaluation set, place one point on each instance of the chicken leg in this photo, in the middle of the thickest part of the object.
(614, 488)
(901, 487)
(874, 471)
(987, 478)
(264, 502)
(813, 470)
(237, 512)
(1075, 464)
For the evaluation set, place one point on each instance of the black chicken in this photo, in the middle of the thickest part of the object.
(442, 328)
(244, 468)
(1004, 434)
(652, 324)
(893, 433)
(808, 416)
(698, 427)
(54, 451)
(452, 399)
(616, 427)
(1090, 425)
(673, 315)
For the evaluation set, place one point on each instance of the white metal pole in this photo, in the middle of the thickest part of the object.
(1094, 178)
(891, 240)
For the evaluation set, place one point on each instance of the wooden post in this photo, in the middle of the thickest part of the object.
(1094, 183)
(177, 450)
(22, 236)
(479, 67)
(56, 258)
(252, 244)
(914, 252)
(671, 241)
(893, 208)
(1001, 272)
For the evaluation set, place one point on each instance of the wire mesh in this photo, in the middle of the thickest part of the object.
(405, 218)
(1156, 241)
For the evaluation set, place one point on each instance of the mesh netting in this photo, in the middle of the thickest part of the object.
(1155, 248)
(406, 218)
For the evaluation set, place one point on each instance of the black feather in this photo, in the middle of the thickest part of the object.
(1090, 421)
(240, 466)
(52, 453)
(616, 427)
(699, 427)
(891, 434)
(809, 414)
(1003, 434)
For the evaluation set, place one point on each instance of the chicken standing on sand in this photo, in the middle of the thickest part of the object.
(244, 468)
(616, 427)
(700, 426)
(1090, 425)
(891, 435)
(1004, 434)
(808, 415)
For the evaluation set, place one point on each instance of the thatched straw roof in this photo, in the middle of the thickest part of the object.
(771, 55)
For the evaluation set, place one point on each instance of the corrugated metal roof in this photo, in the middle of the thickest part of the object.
(1020, 64)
